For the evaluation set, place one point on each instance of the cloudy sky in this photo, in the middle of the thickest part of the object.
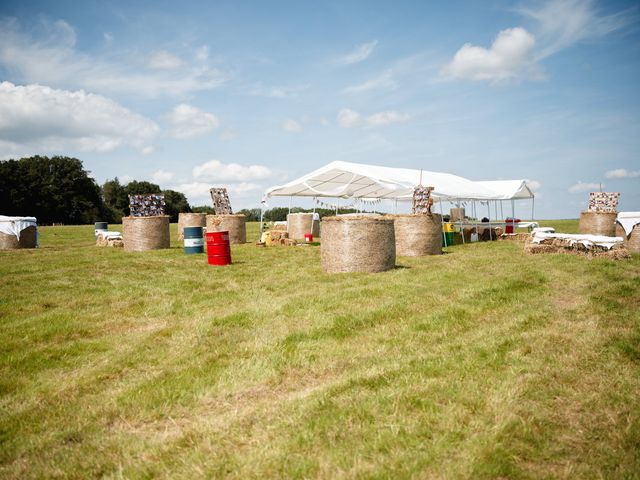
(253, 94)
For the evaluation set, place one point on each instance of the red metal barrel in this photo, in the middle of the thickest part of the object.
(218, 248)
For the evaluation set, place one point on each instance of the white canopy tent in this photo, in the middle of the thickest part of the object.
(367, 182)
(356, 180)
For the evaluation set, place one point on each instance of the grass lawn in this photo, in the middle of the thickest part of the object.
(480, 363)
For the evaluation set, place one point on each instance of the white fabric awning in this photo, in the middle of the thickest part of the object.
(356, 180)
(508, 189)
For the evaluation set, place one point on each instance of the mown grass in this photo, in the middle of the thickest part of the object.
(480, 363)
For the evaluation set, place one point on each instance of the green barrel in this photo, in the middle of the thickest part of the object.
(193, 240)
(447, 239)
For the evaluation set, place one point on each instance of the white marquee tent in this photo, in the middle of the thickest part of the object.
(371, 182)
(356, 180)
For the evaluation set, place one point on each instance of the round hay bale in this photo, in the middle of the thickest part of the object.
(632, 242)
(145, 233)
(598, 223)
(417, 235)
(300, 223)
(358, 244)
(620, 232)
(190, 220)
(235, 224)
(456, 214)
(28, 239)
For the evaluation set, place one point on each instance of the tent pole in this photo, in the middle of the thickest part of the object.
(444, 237)
(395, 210)
(460, 222)
(489, 210)
(533, 202)
(501, 212)
(290, 199)
(513, 209)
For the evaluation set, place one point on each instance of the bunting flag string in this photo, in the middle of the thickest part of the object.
(357, 203)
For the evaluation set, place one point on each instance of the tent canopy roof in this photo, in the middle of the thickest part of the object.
(356, 180)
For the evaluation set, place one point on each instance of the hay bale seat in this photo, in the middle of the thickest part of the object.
(190, 220)
(298, 224)
(456, 215)
(235, 224)
(358, 244)
(417, 235)
(140, 234)
(598, 223)
(556, 245)
(631, 241)
(28, 239)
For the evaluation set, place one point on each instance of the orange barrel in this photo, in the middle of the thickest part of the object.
(218, 248)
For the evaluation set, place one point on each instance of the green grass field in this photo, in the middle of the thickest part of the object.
(480, 363)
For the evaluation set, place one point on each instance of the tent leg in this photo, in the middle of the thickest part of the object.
(489, 210)
(501, 212)
(442, 222)
(461, 227)
(533, 202)
(290, 200)
(513, 209)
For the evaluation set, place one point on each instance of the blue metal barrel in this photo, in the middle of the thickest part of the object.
(193, 240)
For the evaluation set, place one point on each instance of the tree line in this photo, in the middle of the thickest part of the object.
(59, 190)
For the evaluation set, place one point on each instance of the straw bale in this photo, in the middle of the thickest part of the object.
(300, 223)
(358, 244)
(632, 242)
(277, 235)
(145, 233)
(417, 234)
(520, 237)
(109, 241)
(190, 220)
(486, 234)
(28, 239)
(557, 245)
(235, 224)
(456, 214)
(598, 223)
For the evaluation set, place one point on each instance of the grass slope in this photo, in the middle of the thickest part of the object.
(480, 363)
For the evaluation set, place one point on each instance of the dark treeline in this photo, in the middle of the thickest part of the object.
(60, 190)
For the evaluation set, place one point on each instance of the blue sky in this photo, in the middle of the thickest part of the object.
(253, 94)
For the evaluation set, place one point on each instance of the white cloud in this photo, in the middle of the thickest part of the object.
(385, 118)
(291, 126)
(533, 185)
(348, 118)
(161, 176)
(148, 150)
(47, 55)
(563, 23)
(188, 121)
(202, 53)
(622, 173)
(384, 81)
(163, 60)
(216, 171)
(585, 187)
(35, 118)
(510, 57)
(197, 193)
(360, 53)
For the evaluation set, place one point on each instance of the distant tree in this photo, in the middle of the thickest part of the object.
(54, 190)
(176, 203)
(253, 214)
(139, 188)
(203, 209)
(115, 200)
